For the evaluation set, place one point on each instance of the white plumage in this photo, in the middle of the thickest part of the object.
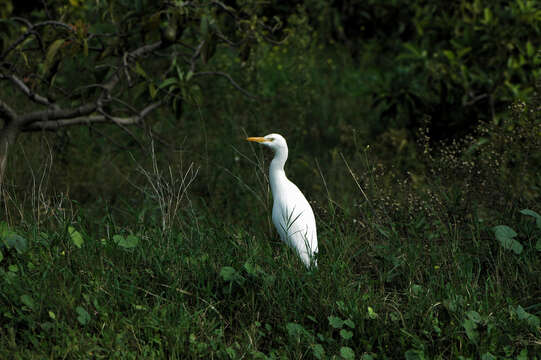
(292, 215)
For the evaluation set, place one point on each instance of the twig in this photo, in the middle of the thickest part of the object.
(145, 49)
(356, 182)
(475, 99)
(195, 55)
(228, 77)
(26, 90)
(126, 69)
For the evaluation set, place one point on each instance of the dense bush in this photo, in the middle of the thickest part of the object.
(455, 62)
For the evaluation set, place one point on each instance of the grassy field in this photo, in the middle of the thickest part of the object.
(426, 251)
(428, 285)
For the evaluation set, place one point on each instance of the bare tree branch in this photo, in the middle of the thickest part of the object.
(67, 103)
(26, 90)
(126, 69)
(59, 117)
(83, 120)
(50, 125)
(143, 50)
(7, 112)
(53, 114)
(32, 31)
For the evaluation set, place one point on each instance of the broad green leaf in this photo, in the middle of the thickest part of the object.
(414, 354)
(487, 16)
(1, 256)
(349, 323)
(346, 334)
(463, 51)
(4, 229)
(127, 242)
(208, 49)
(504, 231)
(336, 322)
(371, 313)
(152, 90)
(523, 355)
(25, 58)
(530, 49)
(231, 352)
(347, 353)
(28, 301)
(504, 234)
(294, 329)
(511, 244)
(180, 73)
(12, 240)
(52, 315)
(318, 351)
(538, 245)
(488, 356)
(471, 330)
(131, 241)
(531, 319)
(533, 214)
(251, 269)
(118, 238)
(449, 55)
(204, 27)
(417, 289)
(167, 82)
(229, 273)
(76, 237)
(51, 53)
(412, 49)
(139, 70)
(83, 316)
(474, 316)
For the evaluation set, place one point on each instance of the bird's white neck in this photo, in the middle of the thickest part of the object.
(277, 174)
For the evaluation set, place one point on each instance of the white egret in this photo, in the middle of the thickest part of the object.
(291, 213)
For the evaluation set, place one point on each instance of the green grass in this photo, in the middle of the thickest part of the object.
(216, 289)
(409, 267)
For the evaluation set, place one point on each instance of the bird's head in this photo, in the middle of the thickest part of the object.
(274, 141)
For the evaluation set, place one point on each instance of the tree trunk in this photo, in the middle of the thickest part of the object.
(8, 135)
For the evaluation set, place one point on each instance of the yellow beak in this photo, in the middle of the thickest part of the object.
(257, 139)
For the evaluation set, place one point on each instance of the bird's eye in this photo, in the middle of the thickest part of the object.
(271, 139)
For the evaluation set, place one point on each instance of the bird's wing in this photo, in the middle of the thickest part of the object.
(295, 222)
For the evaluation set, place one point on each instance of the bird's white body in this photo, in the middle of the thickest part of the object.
(292, 215)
